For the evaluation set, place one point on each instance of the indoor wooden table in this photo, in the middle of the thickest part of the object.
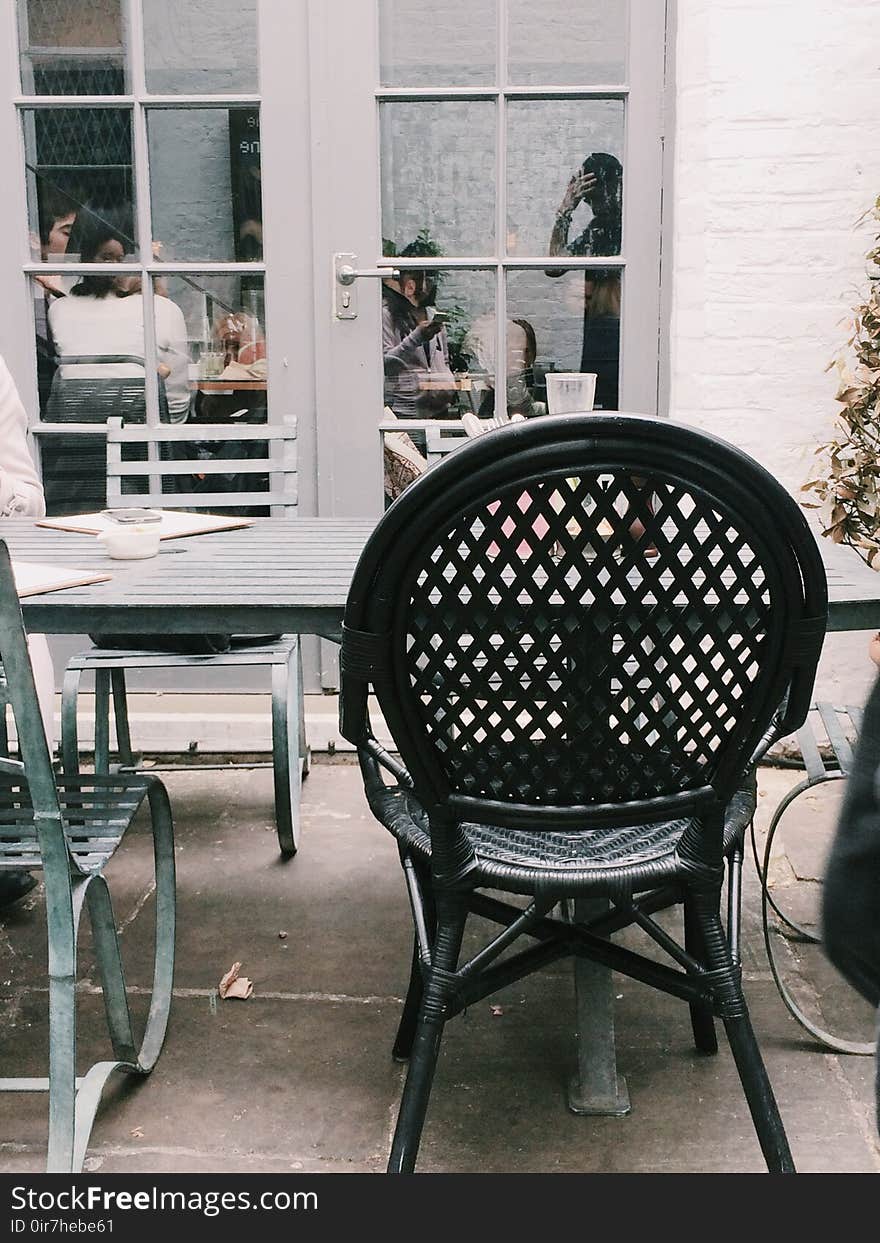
(292, 576)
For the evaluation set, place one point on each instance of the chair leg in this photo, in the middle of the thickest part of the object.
(124, 753)
(426, 1045)
(130, 1058)
(406, 1031)
(733, 1009)
(285, 754)
(69, 735)
(102, 721)
(305, 754)
(702, 1020)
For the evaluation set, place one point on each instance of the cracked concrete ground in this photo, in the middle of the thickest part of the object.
(299, 1076)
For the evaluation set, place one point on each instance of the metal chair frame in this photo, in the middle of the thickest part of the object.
(70, 826)
(497, 632)
(290, 753)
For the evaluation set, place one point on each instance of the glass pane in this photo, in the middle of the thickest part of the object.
(102, 318)
(428, 321)
(226, 344)
(204, 49)
(565, 176)
(557, 43)
(211, 361)
(79, 177)
(575, 322)
(71, 47)
(438, 161)
(209, 208)
(426, 44)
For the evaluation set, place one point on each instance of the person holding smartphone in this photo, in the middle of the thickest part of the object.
(419, 383)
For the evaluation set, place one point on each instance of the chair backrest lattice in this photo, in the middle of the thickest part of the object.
(95, 398)
(261, 459)
(74, 466)
(582, 615)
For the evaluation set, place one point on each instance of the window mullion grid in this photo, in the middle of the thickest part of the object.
(501, 213)
(143, 220)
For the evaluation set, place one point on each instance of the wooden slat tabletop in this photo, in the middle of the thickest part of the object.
(282, 575)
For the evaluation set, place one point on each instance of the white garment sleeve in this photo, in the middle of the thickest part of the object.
(21, 491)
(172, 348)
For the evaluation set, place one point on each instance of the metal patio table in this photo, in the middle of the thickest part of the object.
(292, 576)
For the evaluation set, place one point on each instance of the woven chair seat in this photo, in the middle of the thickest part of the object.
(96, 812)
(577, 859)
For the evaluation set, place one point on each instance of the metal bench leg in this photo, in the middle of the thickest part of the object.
(102, 721)
(62, 911)
(120, 712)
(129, 1057)
(285, 753)
(69, 734)
(62, 1074)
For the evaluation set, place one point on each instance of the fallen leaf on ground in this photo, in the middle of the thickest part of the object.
(496, 1010)
(137, 1132)
(234, 985)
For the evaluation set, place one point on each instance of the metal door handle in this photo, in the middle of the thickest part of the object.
(345, 273)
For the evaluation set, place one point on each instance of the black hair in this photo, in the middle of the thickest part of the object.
(94, 227)
(606, 200)
(53, 205)
(531, 341)
(607, 168)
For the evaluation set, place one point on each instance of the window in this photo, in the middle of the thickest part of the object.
(520, 154)
(141, 138)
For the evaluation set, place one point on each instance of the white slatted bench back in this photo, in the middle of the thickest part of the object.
(280, 463)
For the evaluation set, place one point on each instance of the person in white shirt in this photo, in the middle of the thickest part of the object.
(105, 315)
(21, 495)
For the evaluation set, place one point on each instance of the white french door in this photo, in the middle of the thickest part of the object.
(462, 125)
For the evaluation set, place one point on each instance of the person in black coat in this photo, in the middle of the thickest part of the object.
(851, 893)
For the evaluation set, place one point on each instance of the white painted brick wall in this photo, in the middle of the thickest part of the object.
(777, 155)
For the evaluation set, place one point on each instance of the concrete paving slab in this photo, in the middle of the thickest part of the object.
(300, 1077)
(240, 1081)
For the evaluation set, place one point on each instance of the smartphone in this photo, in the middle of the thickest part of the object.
(132, 515)
(440, 317)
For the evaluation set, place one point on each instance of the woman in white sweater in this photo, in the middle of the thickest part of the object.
(105, 315)
(21, 495)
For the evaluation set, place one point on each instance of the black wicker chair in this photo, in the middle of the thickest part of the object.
(581, 631)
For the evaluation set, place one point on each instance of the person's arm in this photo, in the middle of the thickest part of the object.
(21, 492)
(577, 191)
(405, 353)
(173, 351)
